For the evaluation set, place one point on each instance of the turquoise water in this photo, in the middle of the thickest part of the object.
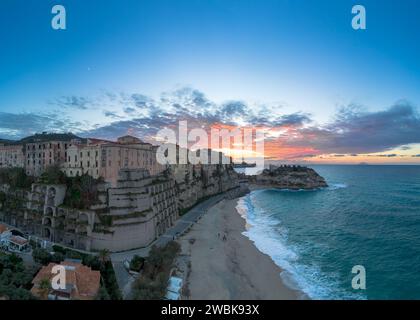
(369, 216)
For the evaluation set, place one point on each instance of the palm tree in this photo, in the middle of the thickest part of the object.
(44, 288)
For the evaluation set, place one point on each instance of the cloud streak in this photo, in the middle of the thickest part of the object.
(353, 131)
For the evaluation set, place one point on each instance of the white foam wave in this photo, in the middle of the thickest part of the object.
(263, 231)
(336, 186)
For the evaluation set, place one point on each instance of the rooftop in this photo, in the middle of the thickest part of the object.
(18, 240)
(3, 228)
(82, 281)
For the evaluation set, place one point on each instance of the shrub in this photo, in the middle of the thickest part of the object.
(41, 256)
(137, 263)
(15, 279)
(53, 175)
(157, 266)
(102, 294)
(16, 178)
(82, 191)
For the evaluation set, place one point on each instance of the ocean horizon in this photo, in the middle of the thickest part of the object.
(367, 216)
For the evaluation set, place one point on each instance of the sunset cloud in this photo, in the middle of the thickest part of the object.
(351, 133)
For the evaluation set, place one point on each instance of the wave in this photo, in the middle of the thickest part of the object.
(336, 186)
(270, 237)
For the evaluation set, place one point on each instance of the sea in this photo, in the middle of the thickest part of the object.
(357, 239)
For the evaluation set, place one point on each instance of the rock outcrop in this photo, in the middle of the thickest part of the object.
(289, 177)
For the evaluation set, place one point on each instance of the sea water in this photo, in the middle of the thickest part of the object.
(369, 216)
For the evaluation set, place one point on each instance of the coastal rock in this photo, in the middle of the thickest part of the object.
(289, 177)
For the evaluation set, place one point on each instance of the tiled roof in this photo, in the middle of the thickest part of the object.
(18, 240)
(3, 228)
(83, 282)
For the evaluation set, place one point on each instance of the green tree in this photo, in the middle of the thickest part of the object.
(136, 264)
(44, 288)
(104, 257)
(102, 294)
(53, 175)
(41, 256)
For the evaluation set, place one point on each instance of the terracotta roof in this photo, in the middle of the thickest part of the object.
(18, 240)
(3, 228)
(99, 141)
(82, 283)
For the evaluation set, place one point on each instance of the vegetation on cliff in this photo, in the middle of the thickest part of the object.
(290, 177)
(152, 283)
(16, 178)
(15, 278)
(82, 191)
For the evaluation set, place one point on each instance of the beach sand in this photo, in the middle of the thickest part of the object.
(230, 269)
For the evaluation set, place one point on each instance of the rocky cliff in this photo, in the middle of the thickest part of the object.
(289, 177)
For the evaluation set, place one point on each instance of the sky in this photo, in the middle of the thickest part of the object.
(325, 93)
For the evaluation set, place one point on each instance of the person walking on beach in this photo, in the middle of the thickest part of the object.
(224, 237)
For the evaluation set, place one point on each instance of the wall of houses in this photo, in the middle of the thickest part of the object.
(140, 208)
(131, 213)
(105, 159)
(40, 155)
(11, 156)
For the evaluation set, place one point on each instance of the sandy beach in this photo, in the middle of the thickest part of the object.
(230, 268)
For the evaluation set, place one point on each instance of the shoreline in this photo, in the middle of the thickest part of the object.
(225, 265)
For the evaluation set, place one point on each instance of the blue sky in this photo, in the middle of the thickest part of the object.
(298, 57)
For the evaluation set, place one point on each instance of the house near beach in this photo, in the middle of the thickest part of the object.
(82, 283)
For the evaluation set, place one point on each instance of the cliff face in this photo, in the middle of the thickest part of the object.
(289, 177)
(195, 183)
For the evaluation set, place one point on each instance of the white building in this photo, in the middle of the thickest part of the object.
(5, 235)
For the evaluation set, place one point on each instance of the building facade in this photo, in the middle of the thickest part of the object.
(40, 155)
(101, 158)
(11, 156)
